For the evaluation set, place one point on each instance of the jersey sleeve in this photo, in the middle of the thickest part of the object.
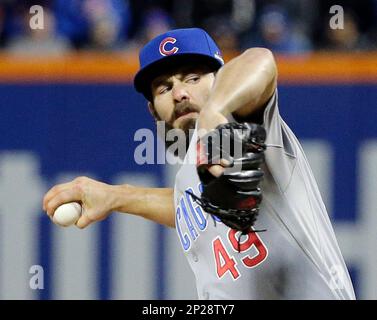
(282, 146)
(278, 133)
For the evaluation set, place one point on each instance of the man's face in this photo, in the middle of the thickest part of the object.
(179, 95)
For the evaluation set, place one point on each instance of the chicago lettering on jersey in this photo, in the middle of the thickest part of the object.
(191, 220)
(192, 215)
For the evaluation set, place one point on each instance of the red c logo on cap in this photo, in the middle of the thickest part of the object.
(163, 43)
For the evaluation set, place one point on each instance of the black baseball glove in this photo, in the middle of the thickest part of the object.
(233, 197)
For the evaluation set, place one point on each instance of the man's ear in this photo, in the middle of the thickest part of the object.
(153, 111)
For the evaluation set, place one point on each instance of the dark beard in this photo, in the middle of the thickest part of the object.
(187, 127)
(188, 130)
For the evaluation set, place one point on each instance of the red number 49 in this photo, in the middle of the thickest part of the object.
(226, 262)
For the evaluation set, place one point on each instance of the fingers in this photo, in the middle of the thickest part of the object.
(51, 193)
(225, 162)
(216, 170)
(60, 198)
(94, 197)
(59, 194)
(83, 222)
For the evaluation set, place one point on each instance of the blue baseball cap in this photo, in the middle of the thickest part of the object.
(175, 48)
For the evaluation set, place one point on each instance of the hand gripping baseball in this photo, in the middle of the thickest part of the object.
(235, 196)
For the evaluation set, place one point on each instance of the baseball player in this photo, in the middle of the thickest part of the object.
(252, 223)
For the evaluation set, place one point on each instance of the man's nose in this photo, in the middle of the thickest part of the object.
(180, 93)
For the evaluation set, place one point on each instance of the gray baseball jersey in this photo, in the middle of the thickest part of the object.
(297, 257)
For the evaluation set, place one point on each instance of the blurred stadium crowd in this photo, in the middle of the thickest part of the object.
(284, 26)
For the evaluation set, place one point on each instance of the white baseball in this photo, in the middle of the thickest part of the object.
(67, 214)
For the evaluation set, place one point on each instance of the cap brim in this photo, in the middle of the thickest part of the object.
(144, 77)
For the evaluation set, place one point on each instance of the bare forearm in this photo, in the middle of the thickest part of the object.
(245, 83)
(154, 204)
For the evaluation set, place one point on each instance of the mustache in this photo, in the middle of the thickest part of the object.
(183, 108)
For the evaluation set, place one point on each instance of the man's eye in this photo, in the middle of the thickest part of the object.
(162, 90)
(193, 79)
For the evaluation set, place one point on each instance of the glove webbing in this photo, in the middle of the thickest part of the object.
(249, 216)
